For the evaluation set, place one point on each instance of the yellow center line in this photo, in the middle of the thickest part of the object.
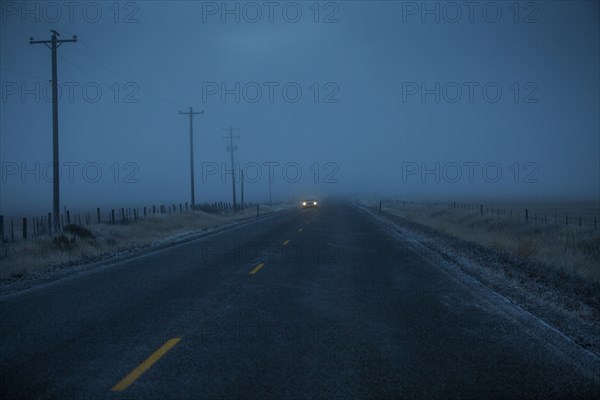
(286, 242)
(143, 367)
(255, 270)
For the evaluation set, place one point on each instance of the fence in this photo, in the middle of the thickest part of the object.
(584, 218)
(33, 227)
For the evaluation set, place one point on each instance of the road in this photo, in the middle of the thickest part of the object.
(321, 303)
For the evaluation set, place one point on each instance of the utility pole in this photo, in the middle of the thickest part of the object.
(231, 148)
(191, 114)
(53, 44)
(242, 183)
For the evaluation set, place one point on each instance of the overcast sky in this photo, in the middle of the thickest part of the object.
(450, 100)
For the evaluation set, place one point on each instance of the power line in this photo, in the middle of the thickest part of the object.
(136, 123)
(93, 103)
(114, 70)
(95, 77)
(101, 61)
(24, 73)
(81, 69)
(15, 30)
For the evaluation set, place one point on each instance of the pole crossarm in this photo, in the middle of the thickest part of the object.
(191, 112)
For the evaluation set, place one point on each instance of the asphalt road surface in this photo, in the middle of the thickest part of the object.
(316, 303)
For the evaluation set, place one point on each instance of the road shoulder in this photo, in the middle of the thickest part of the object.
(565, 309)
(58, 273)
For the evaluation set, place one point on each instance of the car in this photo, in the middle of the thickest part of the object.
(306, 203)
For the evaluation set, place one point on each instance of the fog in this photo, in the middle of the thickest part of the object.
(407, 99)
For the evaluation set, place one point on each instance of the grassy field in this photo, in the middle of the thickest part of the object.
(32, 256)
(503, 227)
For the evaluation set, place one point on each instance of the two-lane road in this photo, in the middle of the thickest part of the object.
(312, 303)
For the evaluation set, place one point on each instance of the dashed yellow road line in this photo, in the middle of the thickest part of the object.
(286, 242)
(143, 367)
(255, 270)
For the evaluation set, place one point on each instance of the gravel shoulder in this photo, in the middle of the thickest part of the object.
(566, 302)
(53, 272)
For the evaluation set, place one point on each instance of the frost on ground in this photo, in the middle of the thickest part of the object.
(81, 247)
(563, 298)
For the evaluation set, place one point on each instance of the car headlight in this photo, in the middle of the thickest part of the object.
(303, 203)
(314, 203)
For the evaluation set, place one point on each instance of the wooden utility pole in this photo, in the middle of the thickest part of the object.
(191, 114)
(242, 185)
(231, 148)
(53, 44)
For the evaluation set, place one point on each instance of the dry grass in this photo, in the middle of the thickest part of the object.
(574, 249)
(37, 255)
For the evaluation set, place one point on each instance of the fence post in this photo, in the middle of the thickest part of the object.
(257, 213)
(12, 231)
(112, 216)
(481, 208)
(379, 206)
(24, 228)
(526, 215)
(1, 228)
